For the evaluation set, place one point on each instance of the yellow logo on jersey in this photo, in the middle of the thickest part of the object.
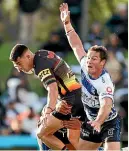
(44, 73)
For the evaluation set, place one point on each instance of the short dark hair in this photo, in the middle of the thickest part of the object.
(102, 50)
(17, 51)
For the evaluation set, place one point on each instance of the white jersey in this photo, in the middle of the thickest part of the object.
(94, 90)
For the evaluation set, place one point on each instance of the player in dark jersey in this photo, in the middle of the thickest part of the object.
(61, 84)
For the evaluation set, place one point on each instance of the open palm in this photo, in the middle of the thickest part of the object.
(64, 13)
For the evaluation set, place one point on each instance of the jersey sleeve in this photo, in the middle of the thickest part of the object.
(83, 63)
(43, 70)
(106, 90)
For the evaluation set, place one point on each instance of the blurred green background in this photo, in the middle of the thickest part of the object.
(46, 21)
(99, 10)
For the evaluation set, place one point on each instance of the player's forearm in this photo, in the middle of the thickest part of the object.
(52, 99)
(74, 40)
(103, 113)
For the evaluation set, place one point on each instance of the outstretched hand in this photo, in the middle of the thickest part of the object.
(96, 125)
(64, 13)
(63, 107)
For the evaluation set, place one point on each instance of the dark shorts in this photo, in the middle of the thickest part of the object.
(110, 131)
(73, 98)
(60, 134)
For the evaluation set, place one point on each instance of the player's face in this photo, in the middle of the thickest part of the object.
(94, 63)
(23, 64)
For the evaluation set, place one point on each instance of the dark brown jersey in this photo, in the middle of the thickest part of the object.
(51, 68)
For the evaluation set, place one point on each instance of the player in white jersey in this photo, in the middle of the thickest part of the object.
(102, 123)
(94, 90)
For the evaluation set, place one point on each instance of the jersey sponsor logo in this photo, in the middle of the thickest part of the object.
(109, 89)
(106, 94)
(44, 73)
(92, 101)
(103, 80)
(50, 54)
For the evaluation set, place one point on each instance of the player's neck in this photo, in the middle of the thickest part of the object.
(97, 74)
(32, 60)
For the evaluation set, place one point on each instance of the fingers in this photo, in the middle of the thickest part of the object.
(44, 121)
(63, 7)
(96, 129)
(64, 111)
(72, 124)
(66, 6)
(89, 122)
(95, 126)
(67, 105)
(63, 107)
(66, 108)
(64, 102)
(75, 119)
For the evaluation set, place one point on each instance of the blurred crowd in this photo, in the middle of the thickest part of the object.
(20, 107)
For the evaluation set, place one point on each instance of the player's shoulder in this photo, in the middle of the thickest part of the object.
(41, 61)
(41, 56)
(105, 81)
(41, 53)
(106, 78)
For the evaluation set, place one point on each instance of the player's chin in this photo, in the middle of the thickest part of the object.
(90, 70)
(28, 72)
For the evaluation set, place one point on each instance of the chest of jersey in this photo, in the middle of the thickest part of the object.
(90, 94)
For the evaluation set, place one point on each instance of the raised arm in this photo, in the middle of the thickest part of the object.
(72, 36)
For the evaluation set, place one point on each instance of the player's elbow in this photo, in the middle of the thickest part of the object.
(108, 108)
(109, 103)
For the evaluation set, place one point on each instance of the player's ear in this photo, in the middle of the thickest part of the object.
(18, 59)
(28, 56)
(103, 62)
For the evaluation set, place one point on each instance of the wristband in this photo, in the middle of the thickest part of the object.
(48, 113)
(69, 32)
(49, 108)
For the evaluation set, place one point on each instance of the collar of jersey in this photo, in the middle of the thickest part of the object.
(103, 71)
